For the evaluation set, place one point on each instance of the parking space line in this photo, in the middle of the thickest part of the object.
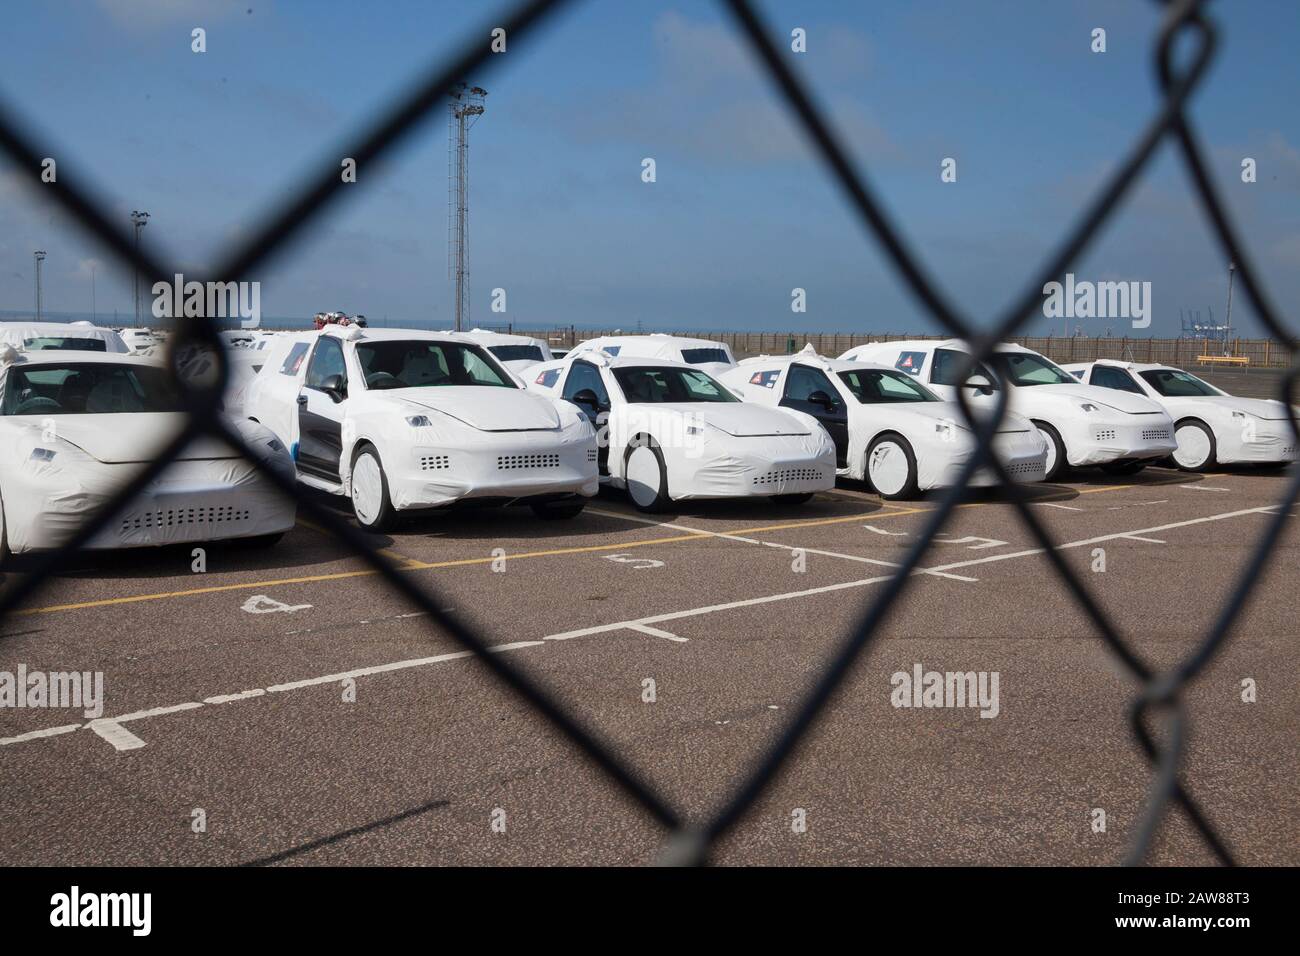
(643, 624)
(116, 734)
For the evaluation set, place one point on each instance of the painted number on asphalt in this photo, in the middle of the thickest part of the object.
(637, 563)
(261, 604)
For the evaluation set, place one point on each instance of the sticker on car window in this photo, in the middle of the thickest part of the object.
(910, 362)
(765, 379)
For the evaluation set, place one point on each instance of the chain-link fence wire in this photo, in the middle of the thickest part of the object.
(689, 842)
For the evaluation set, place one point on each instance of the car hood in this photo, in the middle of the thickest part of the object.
(739, 419)
(134, 437)
(1110, 397)
(487, 408)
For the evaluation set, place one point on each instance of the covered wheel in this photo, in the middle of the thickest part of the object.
(370, 502)
(1056, 460)
(891, 467)
(1196, 448)
(647, 476)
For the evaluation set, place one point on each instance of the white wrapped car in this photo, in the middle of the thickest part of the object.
(516, 352)
(401, 421)
(888, 428)
(1211, 426)
(60, 336)
(1083, 425)
(671, 432)
(75, 427)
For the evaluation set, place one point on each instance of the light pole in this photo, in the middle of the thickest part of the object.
(139, 220)
(39, 256)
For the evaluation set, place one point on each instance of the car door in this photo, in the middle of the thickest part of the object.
(584, 377)
(807, 389)
(321, 406)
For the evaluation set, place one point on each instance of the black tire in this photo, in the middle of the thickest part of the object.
(909, 488)
(1123, 467)
(386, 515)
(1211, 460)
(793, 499)
(662, 499)
(1061, 463)
(559, 510)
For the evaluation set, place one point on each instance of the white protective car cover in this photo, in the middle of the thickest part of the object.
(937, 431)
(30, 335)
(1117, 425)
(208, 494)
(493, 341)
(740, 450)
(661, 345)
(1246, 430)
(476, 441)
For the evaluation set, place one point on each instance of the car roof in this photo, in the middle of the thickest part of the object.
(503, 338)
(355, 333)
(72, 356)
(654, 340)
(1120, 363)
(925, 345)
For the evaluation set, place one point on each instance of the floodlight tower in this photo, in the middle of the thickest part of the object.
(39, 256)
(465, 106)
(139, 220)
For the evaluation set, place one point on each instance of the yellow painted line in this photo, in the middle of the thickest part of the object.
(414, 565)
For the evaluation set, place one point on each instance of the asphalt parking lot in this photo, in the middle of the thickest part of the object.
(227, 690)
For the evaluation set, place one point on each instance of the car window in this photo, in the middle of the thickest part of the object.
(584, 375)
(1027, 368)
(517, 353)
(65, 343)
(1176, 383)
(293, 361)
(548, 378)
(948, 364)
(1109, 377)
(803, 380)
(700, 356)
(417, 363)
(660, 383)
(871, 385)
(326, 361)
(88, 389)
(766, 378)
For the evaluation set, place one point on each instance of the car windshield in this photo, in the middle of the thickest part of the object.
(99, 388)
(700, 356)
(654, 384)
(61, 343)
(517, 353)
(1026, 368)
(871, 385)
(416, 364)
(1176, 383)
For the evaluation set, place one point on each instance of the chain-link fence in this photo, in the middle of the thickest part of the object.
(689, 841)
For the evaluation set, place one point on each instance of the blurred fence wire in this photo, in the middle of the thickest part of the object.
(1157, 714)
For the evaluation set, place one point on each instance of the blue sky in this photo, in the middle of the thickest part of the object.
(742, 211)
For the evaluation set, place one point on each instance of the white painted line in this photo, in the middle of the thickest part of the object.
(1135, 537)
(229, 698)
(640, 624)
(865, 560)
(116, 734)
(1053, 504)
(37, 734)
(655, 632)
(892, 534)
(1204, 488)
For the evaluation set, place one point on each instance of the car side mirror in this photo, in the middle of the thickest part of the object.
(589, 398)
(980, 384)
(335, 387)
(821, 398)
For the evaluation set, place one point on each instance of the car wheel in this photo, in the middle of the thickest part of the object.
(793, 499)
(891, 467)
(1196, 447)
(1123, 467)
(370, 502)
(646, 476)
(559, 510)
(1056, 460)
